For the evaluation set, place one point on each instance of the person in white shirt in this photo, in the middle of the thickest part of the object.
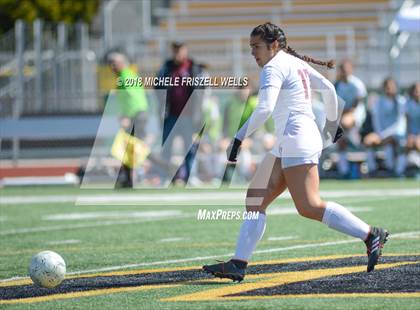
(286, 82)
(353, 91)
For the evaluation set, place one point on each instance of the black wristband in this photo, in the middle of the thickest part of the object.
(233, 150)
(338, 134)
(332, 130)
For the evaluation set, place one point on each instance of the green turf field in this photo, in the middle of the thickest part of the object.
(143, 249)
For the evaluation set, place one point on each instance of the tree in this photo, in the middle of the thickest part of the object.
(69, 11)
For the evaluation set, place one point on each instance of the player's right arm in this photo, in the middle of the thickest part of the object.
(267, 98)
(271, 81)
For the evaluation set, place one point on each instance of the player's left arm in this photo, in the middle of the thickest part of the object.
(329, 96)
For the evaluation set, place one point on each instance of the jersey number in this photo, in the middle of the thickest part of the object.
(304, 75)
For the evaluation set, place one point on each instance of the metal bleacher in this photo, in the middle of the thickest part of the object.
(217, 34)
(217, 31)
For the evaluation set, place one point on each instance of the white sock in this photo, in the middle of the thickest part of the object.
(251, 232)
(371, 160)
(389, 156)
(343, 164)
(339, 218)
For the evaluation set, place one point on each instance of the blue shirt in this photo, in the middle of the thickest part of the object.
(388, 116)
(350, 91)
(413, 117)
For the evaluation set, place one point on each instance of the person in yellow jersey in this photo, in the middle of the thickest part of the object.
(133, 107)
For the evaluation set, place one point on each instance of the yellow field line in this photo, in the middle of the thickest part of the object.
(339, 295)
(267, 280)
(275, 279)
(168, 269)
(85, 294)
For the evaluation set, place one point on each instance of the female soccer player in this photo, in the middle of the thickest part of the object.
(286, 81)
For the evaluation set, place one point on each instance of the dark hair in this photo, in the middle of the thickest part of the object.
(177, 44)
(270, 33)
(388, 80)
(411, 90)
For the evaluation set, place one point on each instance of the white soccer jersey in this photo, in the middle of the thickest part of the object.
(285, 93)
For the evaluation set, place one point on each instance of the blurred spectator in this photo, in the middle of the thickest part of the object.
(245, 166)
(205, 162)
(180, 65)
(353, 91)
(389, 128)
(212, 117)
(413, 117)
(133, 107)
(220, 168)
(239, 108)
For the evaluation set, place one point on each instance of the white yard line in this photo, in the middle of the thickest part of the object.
(174, 239)
(192, 198)
(111, 214)
(13, 279)
(11, 200)
(18, 231)
(143, 216)
(58, 242)
(281, 238)
(200, 258)
(292, 210)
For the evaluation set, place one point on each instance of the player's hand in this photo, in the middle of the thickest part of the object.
(332, 131)
(233, 150)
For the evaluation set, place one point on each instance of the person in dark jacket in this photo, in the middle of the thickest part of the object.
(176, 107)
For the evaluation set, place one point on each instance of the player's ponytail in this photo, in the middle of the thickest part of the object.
(270, 33)
(329, 64)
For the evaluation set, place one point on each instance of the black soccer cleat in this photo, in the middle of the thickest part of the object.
(226, 270)
(374, 243)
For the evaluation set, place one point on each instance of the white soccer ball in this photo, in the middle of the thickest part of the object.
(47, 269)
